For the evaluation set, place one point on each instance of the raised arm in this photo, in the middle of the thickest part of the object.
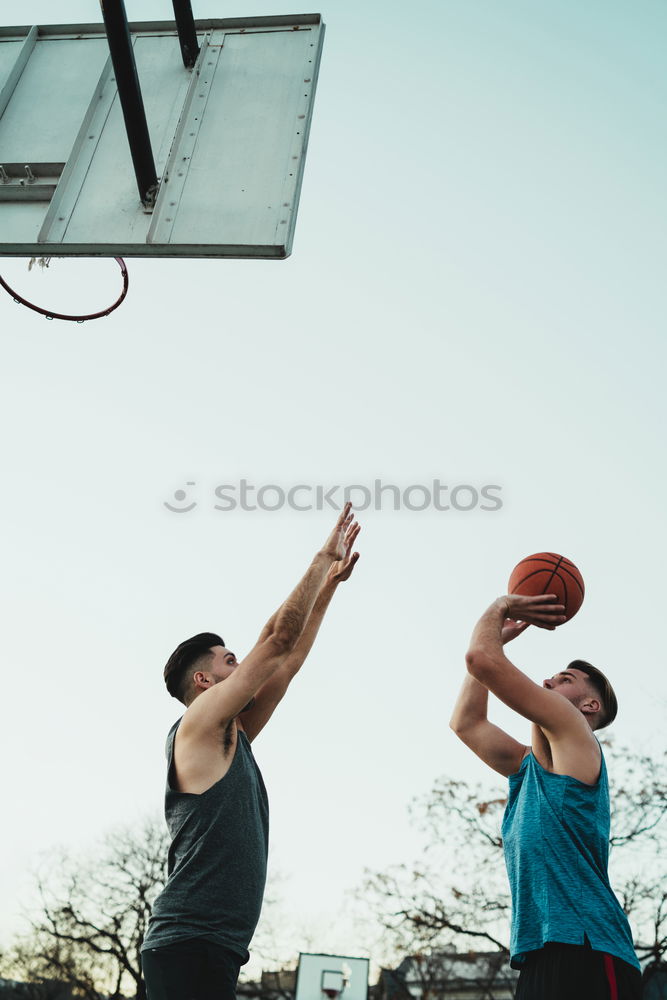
(470, 722)
(487, 663)
(223, 701)
(561, 722)
(572, 746)
(272, 692)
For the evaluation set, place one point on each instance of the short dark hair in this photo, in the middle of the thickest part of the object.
(602, 687)
(185, 656)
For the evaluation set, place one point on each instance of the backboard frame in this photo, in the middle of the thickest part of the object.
(315, 967)
(65, 184)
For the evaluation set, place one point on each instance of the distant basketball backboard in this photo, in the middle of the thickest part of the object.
(229, 138)
(331, 977)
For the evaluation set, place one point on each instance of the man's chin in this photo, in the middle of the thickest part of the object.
(247, 708)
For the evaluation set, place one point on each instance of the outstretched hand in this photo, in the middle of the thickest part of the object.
(342, 568)
(336, 544)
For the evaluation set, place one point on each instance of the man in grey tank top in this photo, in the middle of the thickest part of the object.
(216, 805)
(569, 937)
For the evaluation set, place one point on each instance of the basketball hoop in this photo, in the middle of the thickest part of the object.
(332, 983)
(73, 318)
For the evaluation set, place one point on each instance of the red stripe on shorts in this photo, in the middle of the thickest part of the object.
(611, 977)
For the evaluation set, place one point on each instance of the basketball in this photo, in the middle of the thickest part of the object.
(549, 573)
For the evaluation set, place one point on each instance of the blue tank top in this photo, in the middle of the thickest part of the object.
(556, 839)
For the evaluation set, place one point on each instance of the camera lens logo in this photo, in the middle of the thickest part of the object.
(180, 496)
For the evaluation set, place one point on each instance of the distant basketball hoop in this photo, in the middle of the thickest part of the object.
(333, 982)
(72, 317)
(331, 977)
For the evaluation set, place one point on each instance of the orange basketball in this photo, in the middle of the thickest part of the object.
(549, 573)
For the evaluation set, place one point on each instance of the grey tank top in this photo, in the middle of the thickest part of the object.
(217, 858)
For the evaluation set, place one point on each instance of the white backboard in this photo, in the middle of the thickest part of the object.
(229, 139)
(335, 972)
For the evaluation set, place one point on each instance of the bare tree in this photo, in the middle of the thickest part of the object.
(457, 888)
(92, 916)
(456, 895)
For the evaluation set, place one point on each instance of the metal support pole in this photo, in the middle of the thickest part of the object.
(187, 34)
(129, 91)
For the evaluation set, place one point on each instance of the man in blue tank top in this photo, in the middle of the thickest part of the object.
(216, 804)
(570, 937)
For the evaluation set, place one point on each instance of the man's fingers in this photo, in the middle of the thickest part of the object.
(344, 514)
(350, 537)
(528, 614)
(522, 607)
(352, 532)
(541, 610)
(542, 622)
(524, 599)
(351, 563)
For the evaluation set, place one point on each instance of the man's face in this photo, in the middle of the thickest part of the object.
(221, 666)
(223, 663)
(574, 685)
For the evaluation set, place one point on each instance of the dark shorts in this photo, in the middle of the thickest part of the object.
(576, 972)
(193, 969)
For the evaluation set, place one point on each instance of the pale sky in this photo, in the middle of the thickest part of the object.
(476, 295)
